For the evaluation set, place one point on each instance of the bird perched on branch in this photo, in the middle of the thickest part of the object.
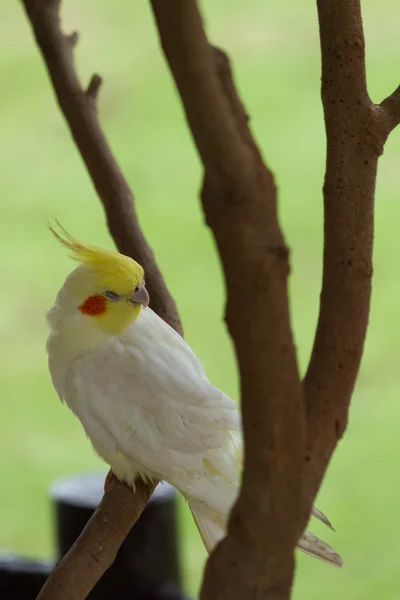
(142, 395)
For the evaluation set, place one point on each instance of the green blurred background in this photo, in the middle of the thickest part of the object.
(275, 50)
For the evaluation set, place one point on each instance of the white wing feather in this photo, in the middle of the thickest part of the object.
(145, 395)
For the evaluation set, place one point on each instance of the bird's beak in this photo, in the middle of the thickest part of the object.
(140, 296)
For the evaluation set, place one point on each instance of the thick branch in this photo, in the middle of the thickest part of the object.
(356, 132)
(79, 109)
(239, 200)
(95, 549)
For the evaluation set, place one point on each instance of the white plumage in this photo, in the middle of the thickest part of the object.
(148, 408)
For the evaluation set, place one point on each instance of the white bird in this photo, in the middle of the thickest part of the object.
(142, 395)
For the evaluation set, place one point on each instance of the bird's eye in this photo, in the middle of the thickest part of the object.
(111, 295)
(140, 285)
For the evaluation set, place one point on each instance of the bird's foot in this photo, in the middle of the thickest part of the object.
(108, 480)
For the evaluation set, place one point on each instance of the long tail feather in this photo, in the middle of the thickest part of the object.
(321, 517)
(312, 545)
(211, 532)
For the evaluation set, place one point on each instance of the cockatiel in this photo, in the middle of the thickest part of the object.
(142, 395)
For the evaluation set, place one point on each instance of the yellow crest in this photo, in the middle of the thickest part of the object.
(114, 270)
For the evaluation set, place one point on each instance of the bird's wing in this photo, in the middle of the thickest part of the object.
(150, 400)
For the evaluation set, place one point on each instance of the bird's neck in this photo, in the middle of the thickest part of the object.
(75, 336)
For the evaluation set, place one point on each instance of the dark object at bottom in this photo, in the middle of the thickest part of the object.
(147, 564)
(22, 578)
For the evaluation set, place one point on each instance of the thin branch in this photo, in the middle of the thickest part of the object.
(239, 200)
(94, 87)
(79, 109)
(356, 133)
(96, 548)
(391, 106)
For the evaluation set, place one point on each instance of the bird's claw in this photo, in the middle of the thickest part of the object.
(108, 480)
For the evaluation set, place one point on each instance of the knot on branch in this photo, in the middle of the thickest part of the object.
(72, 39)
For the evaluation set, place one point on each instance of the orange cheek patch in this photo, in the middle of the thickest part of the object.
(93, 306)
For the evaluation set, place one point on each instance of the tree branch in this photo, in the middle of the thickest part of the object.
(239, 200)
(95, 549)
(356, 132)
(391, 107)
(79, 109)
(97, 546)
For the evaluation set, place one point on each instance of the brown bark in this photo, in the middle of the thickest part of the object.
(290, 429)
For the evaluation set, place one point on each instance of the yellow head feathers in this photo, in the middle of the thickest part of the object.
(120, 272)
(108, 286)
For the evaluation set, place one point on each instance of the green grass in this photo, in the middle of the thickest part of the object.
(276, 58)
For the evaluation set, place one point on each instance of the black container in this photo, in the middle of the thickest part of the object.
(22, 578)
